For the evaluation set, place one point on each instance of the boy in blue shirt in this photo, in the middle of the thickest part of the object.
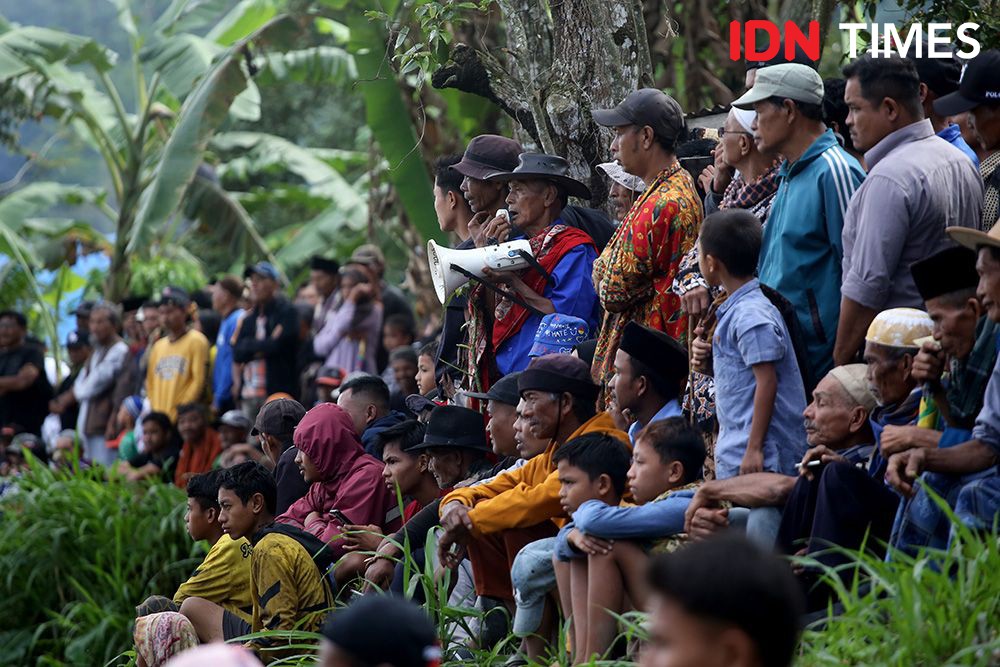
(604, 552)
(759, 392)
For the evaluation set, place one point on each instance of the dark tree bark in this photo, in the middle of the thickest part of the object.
(562, 59)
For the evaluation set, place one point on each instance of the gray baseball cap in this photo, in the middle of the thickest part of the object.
(646, 106)
(790, 80)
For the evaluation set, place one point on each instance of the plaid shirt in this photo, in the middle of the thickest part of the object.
(967, 377)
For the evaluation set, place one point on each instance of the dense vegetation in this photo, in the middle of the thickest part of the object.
(78, 553)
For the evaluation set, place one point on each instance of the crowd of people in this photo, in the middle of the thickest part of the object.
(791, 350)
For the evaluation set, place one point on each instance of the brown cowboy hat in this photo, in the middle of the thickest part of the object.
(544, 167)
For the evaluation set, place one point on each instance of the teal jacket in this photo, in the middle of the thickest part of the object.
(802, 249)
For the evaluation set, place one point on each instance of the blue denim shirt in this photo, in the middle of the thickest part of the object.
(750, 331)
(670, 409)
(652, 520)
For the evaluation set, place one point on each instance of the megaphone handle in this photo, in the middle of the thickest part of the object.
(504, 293)
(530, 259)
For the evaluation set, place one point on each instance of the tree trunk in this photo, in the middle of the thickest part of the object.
(563, 59)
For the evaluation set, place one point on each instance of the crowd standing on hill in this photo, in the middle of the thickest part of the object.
(788, 351)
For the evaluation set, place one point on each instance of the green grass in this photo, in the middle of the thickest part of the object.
(77, 553)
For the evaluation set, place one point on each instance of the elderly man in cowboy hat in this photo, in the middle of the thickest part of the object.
(540, 187)
(972, 465)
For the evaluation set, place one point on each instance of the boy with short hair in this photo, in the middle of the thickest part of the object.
(722, 601)
(607, 547)
(426, 358)
(591, 467)
(289, 588)
(759, 392)
(224, 575)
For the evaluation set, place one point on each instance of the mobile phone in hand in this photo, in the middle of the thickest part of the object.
(341, 517)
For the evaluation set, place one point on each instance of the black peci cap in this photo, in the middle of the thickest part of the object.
(657, 350)
(951, 270)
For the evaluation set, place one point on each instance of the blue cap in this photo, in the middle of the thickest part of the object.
(265, 269)
(559, 334)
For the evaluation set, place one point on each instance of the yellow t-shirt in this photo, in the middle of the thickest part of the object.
(176, 372)
(223, 578)
(288, 591)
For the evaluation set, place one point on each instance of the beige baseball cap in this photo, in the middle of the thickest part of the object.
(790, 80)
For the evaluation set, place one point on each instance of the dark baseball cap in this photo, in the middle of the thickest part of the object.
(263, 269)
(174, 296)
(488, 155)
(646, 106)
(384, 630)
(503, 390)
(977, 84)
(330, 376)
(83, 310)
(279, 418)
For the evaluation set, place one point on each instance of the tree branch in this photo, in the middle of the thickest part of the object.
(479, 73)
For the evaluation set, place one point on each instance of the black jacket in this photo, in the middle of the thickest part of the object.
(279, 353)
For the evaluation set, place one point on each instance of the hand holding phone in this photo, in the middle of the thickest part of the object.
(340, 516)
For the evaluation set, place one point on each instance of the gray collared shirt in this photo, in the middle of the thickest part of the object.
(917, 185)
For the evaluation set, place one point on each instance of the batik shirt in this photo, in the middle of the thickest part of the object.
(634, 273)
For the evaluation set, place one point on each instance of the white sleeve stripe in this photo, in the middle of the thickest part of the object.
(837, 182)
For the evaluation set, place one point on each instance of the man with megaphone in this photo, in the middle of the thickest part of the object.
(558, 279)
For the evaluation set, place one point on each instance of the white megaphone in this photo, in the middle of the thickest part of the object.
(445, 262)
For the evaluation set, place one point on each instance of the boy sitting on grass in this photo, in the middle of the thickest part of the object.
(759, 394)
(289, 586)
(223, 578)
(603, 554)
(590, 469)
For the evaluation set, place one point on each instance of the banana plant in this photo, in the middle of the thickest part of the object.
(186, 86)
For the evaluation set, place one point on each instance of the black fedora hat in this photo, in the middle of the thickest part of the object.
(544, 167)
(455, 426)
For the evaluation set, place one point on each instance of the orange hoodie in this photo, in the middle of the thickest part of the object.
(528, 495)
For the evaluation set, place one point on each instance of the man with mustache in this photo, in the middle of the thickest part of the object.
(837, 425)
(917, 185)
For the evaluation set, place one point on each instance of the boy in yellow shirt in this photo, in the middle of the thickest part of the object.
(290, 569)
(178, 362)
(223, 578)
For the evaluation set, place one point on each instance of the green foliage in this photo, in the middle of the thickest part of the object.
(932, 609)
(984, 13)
(77, 554)
(435, 23)
(149, 276)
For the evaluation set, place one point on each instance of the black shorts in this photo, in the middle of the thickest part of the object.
(233, 626)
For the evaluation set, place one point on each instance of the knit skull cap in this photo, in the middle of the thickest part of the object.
(744, 117)
(854, 379)
(899, 327)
